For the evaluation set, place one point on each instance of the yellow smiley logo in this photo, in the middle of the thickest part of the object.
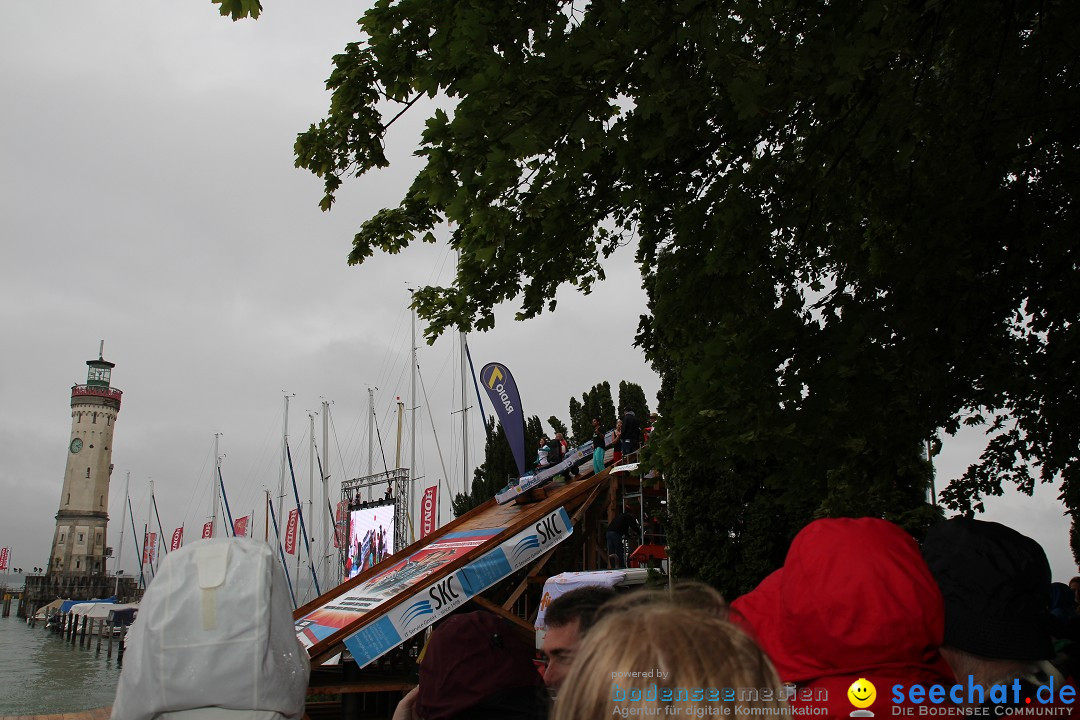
(862, 693)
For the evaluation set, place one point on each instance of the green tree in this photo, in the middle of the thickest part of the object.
(499, 465)
(855, 222)
(632, 397)
(596, 403)
(557, 425)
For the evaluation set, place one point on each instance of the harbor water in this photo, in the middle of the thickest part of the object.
(40, 674)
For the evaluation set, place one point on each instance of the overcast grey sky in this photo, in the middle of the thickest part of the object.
(150, 200)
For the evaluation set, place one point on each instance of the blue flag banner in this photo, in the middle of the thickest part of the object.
(503, 393)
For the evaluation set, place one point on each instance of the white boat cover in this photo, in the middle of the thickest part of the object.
(43, 611)
(97, 611)
(214, 638)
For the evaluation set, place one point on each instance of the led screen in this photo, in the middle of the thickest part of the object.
(371, 538)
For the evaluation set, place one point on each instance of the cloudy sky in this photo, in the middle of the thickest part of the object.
(150, 200)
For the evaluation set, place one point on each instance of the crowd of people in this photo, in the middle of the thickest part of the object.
(860, 620)
(961, 625)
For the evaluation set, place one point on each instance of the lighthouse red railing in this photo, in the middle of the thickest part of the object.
(104, 392)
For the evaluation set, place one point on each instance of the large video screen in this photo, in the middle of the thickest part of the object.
(371, 538)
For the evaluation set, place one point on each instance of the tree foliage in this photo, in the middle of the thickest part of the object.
(856, 223)
(499, 465)
(596, 403)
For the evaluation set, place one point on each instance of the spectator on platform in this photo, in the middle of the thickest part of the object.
(853, 599)
(567, 619)
(598, 447)
(616, 444)
(543, 452)
(621, 526)
(652, 426)
(619, 662)
(996, 586)
(476, 666)
(214, 639)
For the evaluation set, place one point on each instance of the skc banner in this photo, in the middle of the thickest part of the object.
(3, 558)
(429, 507)
(290, 532)
(239, 526)
(208, 530)
(429, 604)
(149, 552)
(503, 393)
(177, 539)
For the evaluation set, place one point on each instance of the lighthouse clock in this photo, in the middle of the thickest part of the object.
(78, 547)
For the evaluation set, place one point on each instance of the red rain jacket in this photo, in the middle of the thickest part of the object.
(853, 600)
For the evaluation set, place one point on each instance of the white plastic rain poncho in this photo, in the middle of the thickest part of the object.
(214, 638)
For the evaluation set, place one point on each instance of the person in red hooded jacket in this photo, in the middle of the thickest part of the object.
(854, 600)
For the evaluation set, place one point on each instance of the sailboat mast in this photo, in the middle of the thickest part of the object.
(326, 490)
(370, 437)
(412, 431)
(217, 487)
(311, 485)
(284, 468)
(464, 422)
(120, 547)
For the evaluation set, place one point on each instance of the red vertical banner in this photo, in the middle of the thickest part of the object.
(208, 530)
(290, 532)
(149, 551)
(177, 539)
(3, 558)
(429, 506)
(239, 526)
(341, 519)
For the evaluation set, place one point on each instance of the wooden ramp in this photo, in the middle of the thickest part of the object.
(385, 605)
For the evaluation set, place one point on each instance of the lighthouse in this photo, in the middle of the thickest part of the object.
(78, 547)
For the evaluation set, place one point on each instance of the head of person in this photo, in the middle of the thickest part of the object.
(996, 586)
(853, 599)
(683, 649)
(689, 594)
(596, 423)
(214, 638)
(477, 665)
(567, 619)
(1074, 585)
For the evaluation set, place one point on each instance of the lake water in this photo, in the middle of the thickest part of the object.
(40, 674)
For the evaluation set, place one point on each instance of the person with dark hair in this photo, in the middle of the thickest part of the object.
(543, 453)
(622, 525)
(598, 447)
(996, 586)
(476, 666)
(567, 619)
